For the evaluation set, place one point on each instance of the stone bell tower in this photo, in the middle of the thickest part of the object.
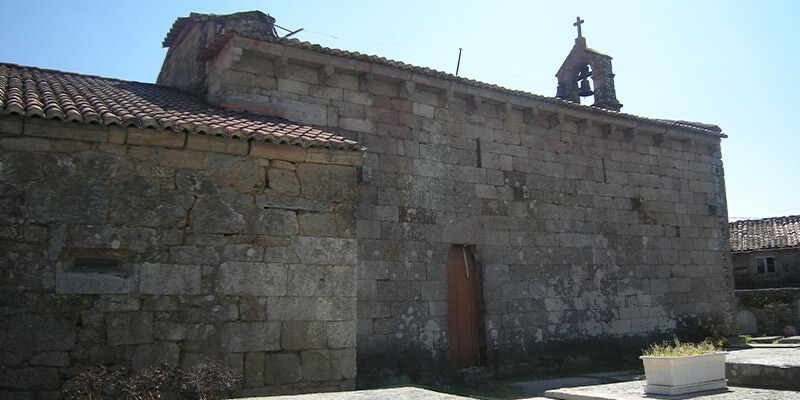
(581, 64)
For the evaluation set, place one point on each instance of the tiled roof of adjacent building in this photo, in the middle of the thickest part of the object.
(764, 234)
(180, 23)
(57, 95)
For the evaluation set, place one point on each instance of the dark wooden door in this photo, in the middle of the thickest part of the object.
(462, 307)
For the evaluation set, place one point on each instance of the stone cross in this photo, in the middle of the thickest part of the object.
(578, 23)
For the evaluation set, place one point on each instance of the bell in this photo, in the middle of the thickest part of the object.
(586, 89)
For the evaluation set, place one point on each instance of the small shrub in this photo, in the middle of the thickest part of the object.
(151, 383)
(90, 384)
(210, 381)
(678, 349)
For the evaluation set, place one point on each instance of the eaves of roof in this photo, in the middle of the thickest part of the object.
(32, 92)
(765, 234)
(699, 128)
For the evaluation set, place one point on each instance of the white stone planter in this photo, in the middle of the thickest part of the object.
(681, 375)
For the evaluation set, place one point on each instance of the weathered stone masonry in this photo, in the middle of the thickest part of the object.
(588, 224)
(238, 250)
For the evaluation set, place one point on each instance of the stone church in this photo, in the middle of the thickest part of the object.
(313, 216)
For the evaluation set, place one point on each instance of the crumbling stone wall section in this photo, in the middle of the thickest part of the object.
(587, 225)
(128, 247)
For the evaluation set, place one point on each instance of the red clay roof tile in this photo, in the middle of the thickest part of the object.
(764, 234)
(65, 96)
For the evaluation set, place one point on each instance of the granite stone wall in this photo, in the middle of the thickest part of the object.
(786, 274)
(770, 310)
(586, 227)
(129, 247)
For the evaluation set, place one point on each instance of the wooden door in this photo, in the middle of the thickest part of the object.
(462, 307)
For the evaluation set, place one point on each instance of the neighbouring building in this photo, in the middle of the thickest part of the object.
(765, 254)
(313, 215)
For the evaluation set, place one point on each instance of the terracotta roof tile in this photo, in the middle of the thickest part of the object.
(48, 94)
(763, 234)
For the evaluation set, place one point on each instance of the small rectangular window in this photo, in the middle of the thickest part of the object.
(95, 264)
(765, 265)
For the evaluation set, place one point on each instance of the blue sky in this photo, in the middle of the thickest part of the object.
(728, 63)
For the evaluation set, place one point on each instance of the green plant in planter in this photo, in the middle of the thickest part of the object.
(678, 349)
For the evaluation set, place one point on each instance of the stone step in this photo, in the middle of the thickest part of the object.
(764, 367)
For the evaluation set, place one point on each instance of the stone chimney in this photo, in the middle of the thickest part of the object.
(192, 38)
(582, 63)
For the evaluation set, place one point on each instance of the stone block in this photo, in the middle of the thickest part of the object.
(60, 130)
(281, 368)
(277, 222)
(304, 112)
(217, 144)
(309, 280)
(92, 283)
(433, 291)
(274, 151)
(398, 290)
(129, 328)
(50, 359)
(213, 215)
(150, 355)
(292, 86)
(69, 200)
(11, 125)
(170, 279)
(311, 309)
(317, 366)
(357, 125)
(252, 279)
(317, 224)
(244, 176)
(341, 334)
(25, 144)
(34, 333)
(283, 181)
(366, 229)
(338, 157)
(303, 335)
(193, 255)
(242, 252)
(149, 137)
(97, 165)
(277, 254)
(254, 369)
(250, 336)
(149, 212)
(32, 379)
(344, 281)
(326, 251)
(271, 198)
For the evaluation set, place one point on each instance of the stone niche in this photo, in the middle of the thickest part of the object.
(126, 247)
